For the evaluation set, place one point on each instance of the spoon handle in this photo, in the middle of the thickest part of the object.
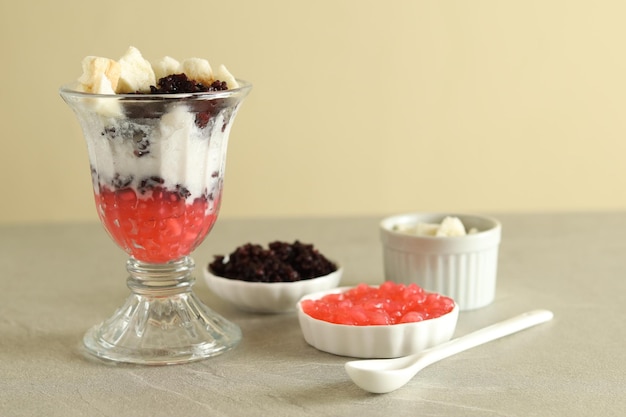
(484, 335)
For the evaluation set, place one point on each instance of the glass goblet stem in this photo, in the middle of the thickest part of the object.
(162, 321)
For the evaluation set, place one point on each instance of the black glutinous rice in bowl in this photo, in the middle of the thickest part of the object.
(272, 279)
(279, 262)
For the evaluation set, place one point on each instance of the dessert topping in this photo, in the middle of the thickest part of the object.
(132, 73)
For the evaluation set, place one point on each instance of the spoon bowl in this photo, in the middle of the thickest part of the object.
(385, 375)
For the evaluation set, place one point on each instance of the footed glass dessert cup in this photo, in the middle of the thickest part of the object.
(157, 165)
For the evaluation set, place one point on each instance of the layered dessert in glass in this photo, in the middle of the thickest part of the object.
(157, 136)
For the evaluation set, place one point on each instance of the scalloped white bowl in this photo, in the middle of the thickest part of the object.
(463, 268)
(384, 341)
(269, 297)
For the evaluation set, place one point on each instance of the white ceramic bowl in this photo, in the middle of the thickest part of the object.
(269, 297)
(383, 341)
(463, 268)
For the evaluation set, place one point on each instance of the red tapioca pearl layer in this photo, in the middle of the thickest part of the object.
(157, 226)
(390, 303)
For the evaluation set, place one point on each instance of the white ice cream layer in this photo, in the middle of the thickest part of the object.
(177, 150)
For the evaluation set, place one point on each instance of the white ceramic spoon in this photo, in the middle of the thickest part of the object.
(385, 375)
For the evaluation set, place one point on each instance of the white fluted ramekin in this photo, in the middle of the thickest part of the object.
(463, 268)
(374, 341)
(268, 297)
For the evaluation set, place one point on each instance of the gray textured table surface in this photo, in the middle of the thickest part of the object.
(58, 280)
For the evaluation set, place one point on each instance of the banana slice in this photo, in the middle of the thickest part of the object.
(136, 73)
(223, 74)
(198, 69)
(166, 66)
(426, 229)
(451, 226)
(100, 75)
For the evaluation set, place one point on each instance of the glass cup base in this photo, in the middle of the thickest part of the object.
(162, 321)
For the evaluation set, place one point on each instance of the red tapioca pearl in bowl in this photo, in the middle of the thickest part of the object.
(376, 321)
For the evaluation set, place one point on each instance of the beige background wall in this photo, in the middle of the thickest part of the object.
(359, 107)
